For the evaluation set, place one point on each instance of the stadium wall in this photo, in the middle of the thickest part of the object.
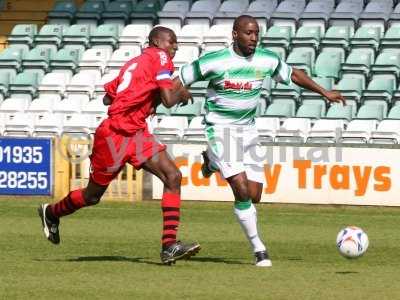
(322, 174)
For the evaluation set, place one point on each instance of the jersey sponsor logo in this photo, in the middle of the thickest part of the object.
(163, 58)
(237, 85)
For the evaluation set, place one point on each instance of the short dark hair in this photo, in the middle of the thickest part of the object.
(156, 32)
(241, 19)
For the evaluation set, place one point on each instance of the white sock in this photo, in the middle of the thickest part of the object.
(248, 220)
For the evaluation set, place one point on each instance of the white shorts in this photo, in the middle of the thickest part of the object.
(233, 150)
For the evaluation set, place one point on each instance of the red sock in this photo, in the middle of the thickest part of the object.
(72, 202)
(170, 208)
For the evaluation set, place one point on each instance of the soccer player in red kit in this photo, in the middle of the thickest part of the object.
(123, 137)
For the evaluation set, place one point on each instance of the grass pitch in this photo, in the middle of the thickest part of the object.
(111, 251)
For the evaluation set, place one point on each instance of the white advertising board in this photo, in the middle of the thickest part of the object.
(293, 174)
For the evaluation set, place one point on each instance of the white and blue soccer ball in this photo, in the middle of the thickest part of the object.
(352, 242)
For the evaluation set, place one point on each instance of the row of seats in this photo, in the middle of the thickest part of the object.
(293, 130)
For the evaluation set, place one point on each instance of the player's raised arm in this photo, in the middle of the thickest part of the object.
(300, 78)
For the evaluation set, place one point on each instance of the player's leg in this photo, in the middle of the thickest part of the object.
(246, 214)
(165, 169)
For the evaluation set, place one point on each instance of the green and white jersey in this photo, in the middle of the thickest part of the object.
(235, 82)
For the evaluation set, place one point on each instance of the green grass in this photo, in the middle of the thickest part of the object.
(111, 251)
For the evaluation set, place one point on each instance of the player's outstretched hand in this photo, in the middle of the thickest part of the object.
(335, 96)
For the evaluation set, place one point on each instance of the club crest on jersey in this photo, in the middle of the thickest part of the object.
(237, 85)
(163, 58)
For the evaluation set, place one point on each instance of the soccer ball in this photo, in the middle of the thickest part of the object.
(352, 242)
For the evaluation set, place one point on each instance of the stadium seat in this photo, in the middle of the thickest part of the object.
(18, 125)
(287, 13)
(277, 36)
(134, 35)
(192, 34)
(95, 59)
(50, 35)
(307, 36)
(394, 18)
(293, 130)
(326, 131)
(63, 12)
(145, 12)
(202, 12)
(388, 132)
(317, 13)
(161, 110)
(22, 34)
(190, 110)
(120, 57)
(14, 104)
(39, 58)
(83, 83)
(371, 111)
(351, 87)
(5, 78)
(11, 59)
(105, 36)
(302, 58)
(229, 10)
(311, 111)
(358, 131)
(90, 13)
(171, 127)
(328, 64)
(394, 113)
(195, 131)
(43, 104)
(66, 60)
(359, 61)
(75, 123)
(346, 13)
(118, 12)
(219, 36)
(173, 13)
(107, 77)
(267, 128)
(54, 83)
(281, 109)
(337, 37)
(375, 14)
(262, 11)
(47, 125)
(281, 90)
(184, 55)
(338, 111)
(387, 62)
(391, 38)
(380, 87)
(366, 37)
(26, 83)
(77, 35)
(72, 104)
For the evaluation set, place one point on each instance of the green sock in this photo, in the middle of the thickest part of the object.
(242, 205)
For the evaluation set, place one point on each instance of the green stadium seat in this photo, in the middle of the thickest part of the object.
(50, 34)
(328, 64)
(281, 90)
(23, 34)
(371, 111)
(359, 61)
(78, 34)
(325, 82)
(387, 62)
(26, 82)
(280, 36)
(351, 87)
(310, 110)
(339, 111)
(394, 113)
(161, 110)
(145, 12)
(307, 36)
(66, 59)
(39, 58)
(380, 87)
(63, 12)
(366, 37)
(117, 12)
(337, 37)
(391, 38)
(90, 13)
(11, 58)
(302, 58)
(282, 108)
(106, 35)
(5, 78)
(280, 51)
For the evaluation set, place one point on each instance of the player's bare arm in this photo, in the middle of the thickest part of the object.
(178, 94)
(300, 78)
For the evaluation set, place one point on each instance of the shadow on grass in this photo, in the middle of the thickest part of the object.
(295, 258)
(346, 272)
(219, 260)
